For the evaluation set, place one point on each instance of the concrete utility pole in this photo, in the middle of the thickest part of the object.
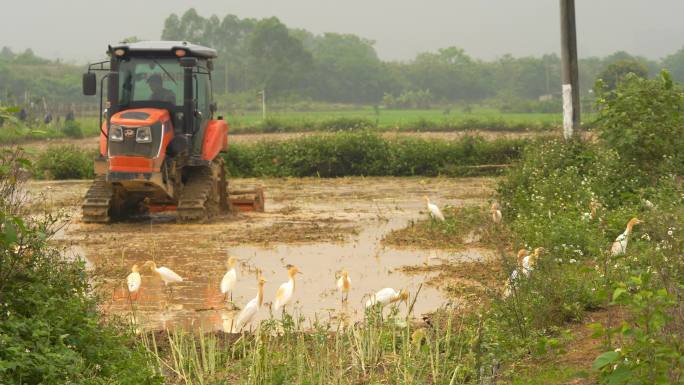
(570, 76)
(263, 103)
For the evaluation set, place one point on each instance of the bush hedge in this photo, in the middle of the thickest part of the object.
(369, 154)
(361, 153)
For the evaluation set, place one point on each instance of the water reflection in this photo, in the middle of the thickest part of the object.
(198, 303)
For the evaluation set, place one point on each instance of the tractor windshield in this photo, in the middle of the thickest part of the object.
(150, 79)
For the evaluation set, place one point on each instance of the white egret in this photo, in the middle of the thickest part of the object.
(593, 207)
(529, 261)
(230, 278)
(167, 275)
(286, 290)
(435, 212)
(133, 280)
(386, 296)
(344, 284)
(496, 213)
(525, 263)
(619, 247)
(252, 307)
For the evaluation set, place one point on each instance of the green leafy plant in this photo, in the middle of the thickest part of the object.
(51, 331)
(65, 162)
(642, 120)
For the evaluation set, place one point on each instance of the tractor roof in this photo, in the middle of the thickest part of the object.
(165, 47)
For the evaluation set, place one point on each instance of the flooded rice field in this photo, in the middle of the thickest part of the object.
(322, 226)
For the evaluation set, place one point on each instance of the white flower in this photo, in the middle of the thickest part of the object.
(572, 260)
(669, 232)
(618, 350)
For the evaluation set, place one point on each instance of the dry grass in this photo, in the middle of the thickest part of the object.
(467, 226)
(466, 280)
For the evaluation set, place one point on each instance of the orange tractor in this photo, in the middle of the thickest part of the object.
(160, 145)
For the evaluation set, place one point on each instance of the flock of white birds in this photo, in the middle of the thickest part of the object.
(383, 297)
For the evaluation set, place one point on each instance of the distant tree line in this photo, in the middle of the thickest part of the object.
(295, 64)
(345, 68)
(26, 78)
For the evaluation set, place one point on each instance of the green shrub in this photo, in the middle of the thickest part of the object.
(345, 124)
(65, 162)
(418, 99)
(51, 331)
(367, 153)
(643, 120)
(545, 199)
(72, 129)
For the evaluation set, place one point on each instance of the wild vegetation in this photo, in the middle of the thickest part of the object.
(547, 199)
(51, 331)
(573, 198)
(16, 131)
(340, 118)
(369, 154)
(362, 153)
(435, 120)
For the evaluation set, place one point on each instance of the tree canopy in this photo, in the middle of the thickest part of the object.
(256, 54)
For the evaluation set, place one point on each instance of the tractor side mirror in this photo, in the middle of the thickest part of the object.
(89, 83)
(188, 62)
(213, 108)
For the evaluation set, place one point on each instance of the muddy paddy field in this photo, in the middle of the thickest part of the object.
(320, 225)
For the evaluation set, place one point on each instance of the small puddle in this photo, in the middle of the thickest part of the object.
(197, 302)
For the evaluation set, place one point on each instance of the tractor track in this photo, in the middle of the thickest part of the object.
(199, 199)
(98, 201)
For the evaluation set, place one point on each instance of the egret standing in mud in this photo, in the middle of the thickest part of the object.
(167, 275)
(250, 310)
(286, 290)
(620, 245)
(435, 212)
(229, 279)
(133, 281)
(387, 296)
(343, 285)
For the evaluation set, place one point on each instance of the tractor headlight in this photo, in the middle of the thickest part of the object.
(115, 133)
(143, 135)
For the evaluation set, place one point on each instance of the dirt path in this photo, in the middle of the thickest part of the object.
(319, 225)
(571, 365)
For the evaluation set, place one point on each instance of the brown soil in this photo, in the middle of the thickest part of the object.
(581, 350)
(469, 280)
(319, 225)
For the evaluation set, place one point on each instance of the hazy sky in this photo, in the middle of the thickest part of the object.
(79, 30)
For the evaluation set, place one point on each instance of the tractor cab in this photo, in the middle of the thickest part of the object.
(150, 85)
(159, 142)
